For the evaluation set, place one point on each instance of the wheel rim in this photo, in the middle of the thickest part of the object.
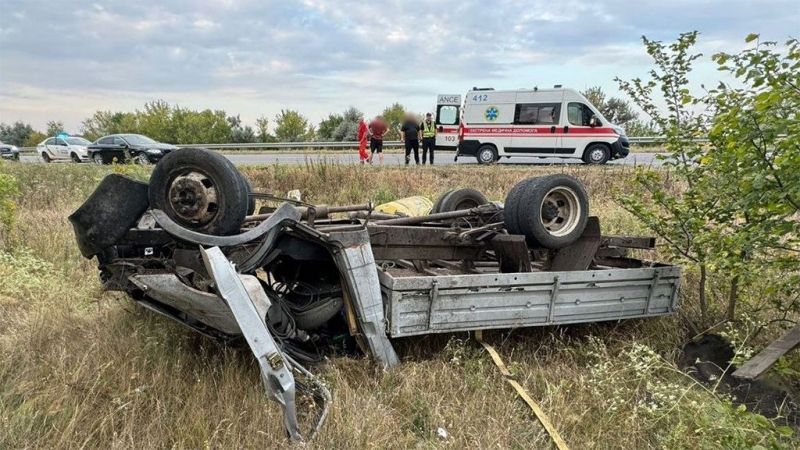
(75, 158)
(560, 211)
(142, 159)
(597, 155)
(98, 159)
(193, 197)
(487, 155)
(45, 158)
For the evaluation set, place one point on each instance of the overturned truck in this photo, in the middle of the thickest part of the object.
(299, 281)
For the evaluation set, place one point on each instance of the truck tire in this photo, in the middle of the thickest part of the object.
(462, 199)
(438, 204)
(597, 154)
(552, 211)
(200, 190)
(512, 204)
(487, 154)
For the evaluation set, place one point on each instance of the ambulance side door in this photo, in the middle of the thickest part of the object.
(536, 130)
(448, 121)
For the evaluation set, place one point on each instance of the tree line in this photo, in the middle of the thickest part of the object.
(174, 124)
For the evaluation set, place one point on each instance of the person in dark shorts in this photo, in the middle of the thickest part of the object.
(377, 129)
(428, 130)
(410, 133)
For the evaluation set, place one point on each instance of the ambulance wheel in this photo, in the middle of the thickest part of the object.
(596, 154)
(511, 206)
(201, 190)
(487, 154)
(462, 199)
(552, 211)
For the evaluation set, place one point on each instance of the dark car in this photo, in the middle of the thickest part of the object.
(8, 151)
(120, 147)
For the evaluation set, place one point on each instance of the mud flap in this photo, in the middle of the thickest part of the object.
(105, 217)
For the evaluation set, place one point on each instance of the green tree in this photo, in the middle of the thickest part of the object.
(680, 220)
(34, 139)
(754, 162)
(16, 134)
(262, 125)
(54, 127)
(347, 130)
(736, 216)
(199, 127)
(394, 116)
(616, 110)
(106, 122)
(328, 126)
(156, 121)
(291, 126)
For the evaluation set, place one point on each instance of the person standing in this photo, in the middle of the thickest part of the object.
(410, 134)
(428, 130)
(377, 129)
(363, 135)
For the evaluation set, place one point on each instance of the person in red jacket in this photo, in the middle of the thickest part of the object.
(363, 136)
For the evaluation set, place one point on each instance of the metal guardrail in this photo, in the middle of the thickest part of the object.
(348, 145)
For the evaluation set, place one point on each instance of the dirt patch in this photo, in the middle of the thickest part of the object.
(708, 360)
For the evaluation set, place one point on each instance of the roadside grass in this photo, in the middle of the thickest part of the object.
(86, 369)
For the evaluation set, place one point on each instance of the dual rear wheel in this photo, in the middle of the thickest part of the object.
(550, 211)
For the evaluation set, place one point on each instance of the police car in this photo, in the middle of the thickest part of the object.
(63, 147)
(556, 122)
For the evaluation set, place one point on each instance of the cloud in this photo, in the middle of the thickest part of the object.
(257, 56)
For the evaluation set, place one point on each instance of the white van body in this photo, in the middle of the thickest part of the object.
(557, 122)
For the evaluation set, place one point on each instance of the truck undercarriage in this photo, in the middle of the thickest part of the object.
(298, 283)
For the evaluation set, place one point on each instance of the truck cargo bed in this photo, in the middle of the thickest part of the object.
(418, 305)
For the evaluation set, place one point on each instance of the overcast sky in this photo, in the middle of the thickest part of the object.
(65, 59)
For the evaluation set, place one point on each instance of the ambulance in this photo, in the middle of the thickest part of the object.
(546, 123)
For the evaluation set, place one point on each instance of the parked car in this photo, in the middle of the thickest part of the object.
(141, 149)
(8, 151)
(63, 148)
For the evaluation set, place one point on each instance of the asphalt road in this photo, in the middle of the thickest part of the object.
(634, 159)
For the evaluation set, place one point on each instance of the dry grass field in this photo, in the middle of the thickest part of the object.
(80, 368)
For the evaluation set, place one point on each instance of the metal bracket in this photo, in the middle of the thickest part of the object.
(652, 291)
(276, 368)
(434, 295)
(553, 296)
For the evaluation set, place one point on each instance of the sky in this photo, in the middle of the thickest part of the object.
(65, 59)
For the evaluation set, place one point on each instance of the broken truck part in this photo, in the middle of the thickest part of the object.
(300, 284)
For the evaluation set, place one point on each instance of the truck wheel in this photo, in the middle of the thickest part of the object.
(512, 205)
(46, 158)
(487, 154)
(596, 154)
(553, 211)
(200, 190)
(98, 159)
(462, 199)
(438, 204)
